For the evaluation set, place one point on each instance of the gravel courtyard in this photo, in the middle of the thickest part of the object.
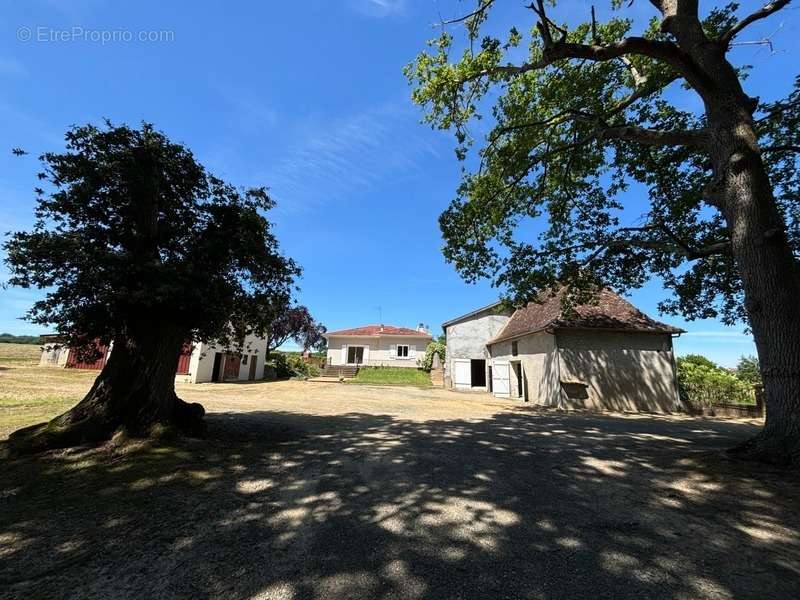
(331, 491)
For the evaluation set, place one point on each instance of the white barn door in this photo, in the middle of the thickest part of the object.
(462, 374)
(501, 380)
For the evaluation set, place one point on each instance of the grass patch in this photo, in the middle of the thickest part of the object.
(391, 376)
(19, 354)
(31, 394)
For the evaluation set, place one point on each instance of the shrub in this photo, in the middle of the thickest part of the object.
(748, 370)
(698, 359)
(281, 364)
(302, 368)
(291, 365)
(703, 383)
(433, 347)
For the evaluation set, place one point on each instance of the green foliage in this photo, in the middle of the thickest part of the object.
(9, 338)
(133, 237)
(281, 364)
(540, 200)
(286, 322)
(699, 360)
(748, 370)
(434, 347)
(292, 365)
(391, 376)
(703, 383)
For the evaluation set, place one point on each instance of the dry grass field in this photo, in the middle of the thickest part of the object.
(31, 394)
(25, 354)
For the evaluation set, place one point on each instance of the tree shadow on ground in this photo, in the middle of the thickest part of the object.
(524, 504)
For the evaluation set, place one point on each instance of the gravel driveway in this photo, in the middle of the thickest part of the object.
(331, 491)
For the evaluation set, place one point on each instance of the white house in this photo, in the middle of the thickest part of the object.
(198, 363)
(377, 346)
(206, 362)
(606, 355)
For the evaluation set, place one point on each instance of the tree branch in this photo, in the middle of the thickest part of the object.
(713, 249)
(662, 50)
(777, 109)
(697, 138)
(781, 148)
(762, 13)
(483, 5)
(556, 50)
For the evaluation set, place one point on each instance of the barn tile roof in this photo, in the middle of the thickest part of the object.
(375, 330)
(610, 311)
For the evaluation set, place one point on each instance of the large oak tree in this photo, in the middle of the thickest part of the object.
(138, 246)
(578, 115)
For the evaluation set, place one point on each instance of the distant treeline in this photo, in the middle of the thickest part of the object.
(8, 338)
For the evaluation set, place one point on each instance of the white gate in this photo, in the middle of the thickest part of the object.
(501, 384)
(462, 374)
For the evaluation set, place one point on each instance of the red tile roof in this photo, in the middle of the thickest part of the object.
(374, 330)
(609, 312)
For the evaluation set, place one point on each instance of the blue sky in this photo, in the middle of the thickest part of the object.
(307, 98)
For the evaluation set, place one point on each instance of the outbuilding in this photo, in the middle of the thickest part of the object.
(607, 355)
(467, 358)
(198, 362)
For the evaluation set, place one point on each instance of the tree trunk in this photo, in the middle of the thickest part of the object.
(135, 392)
(770, 279)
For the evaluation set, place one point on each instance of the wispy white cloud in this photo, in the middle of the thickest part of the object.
(74, 8)
(36, 131)
(342, 157)
(248, 110)
(380, 8)
(11, 66)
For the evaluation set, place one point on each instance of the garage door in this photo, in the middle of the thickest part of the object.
(500, 379)
(461, 373)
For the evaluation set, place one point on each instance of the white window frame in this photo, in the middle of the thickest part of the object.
(363, 354)
(397, 354)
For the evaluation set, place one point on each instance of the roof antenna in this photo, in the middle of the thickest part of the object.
(380, 316)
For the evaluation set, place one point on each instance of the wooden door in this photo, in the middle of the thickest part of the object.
(232, 362)
(253, 361)
(501, 379)
(462, 376)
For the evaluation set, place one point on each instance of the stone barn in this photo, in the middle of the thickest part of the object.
(606, 355)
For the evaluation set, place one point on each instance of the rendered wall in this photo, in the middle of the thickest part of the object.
(378, 351)
(54, 355)
(201, 364)
(536, 353)
(468, 338)
(602, 370)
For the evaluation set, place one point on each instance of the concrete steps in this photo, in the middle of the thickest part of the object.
(346, 371)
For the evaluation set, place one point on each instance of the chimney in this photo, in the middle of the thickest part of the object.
(421, 328)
